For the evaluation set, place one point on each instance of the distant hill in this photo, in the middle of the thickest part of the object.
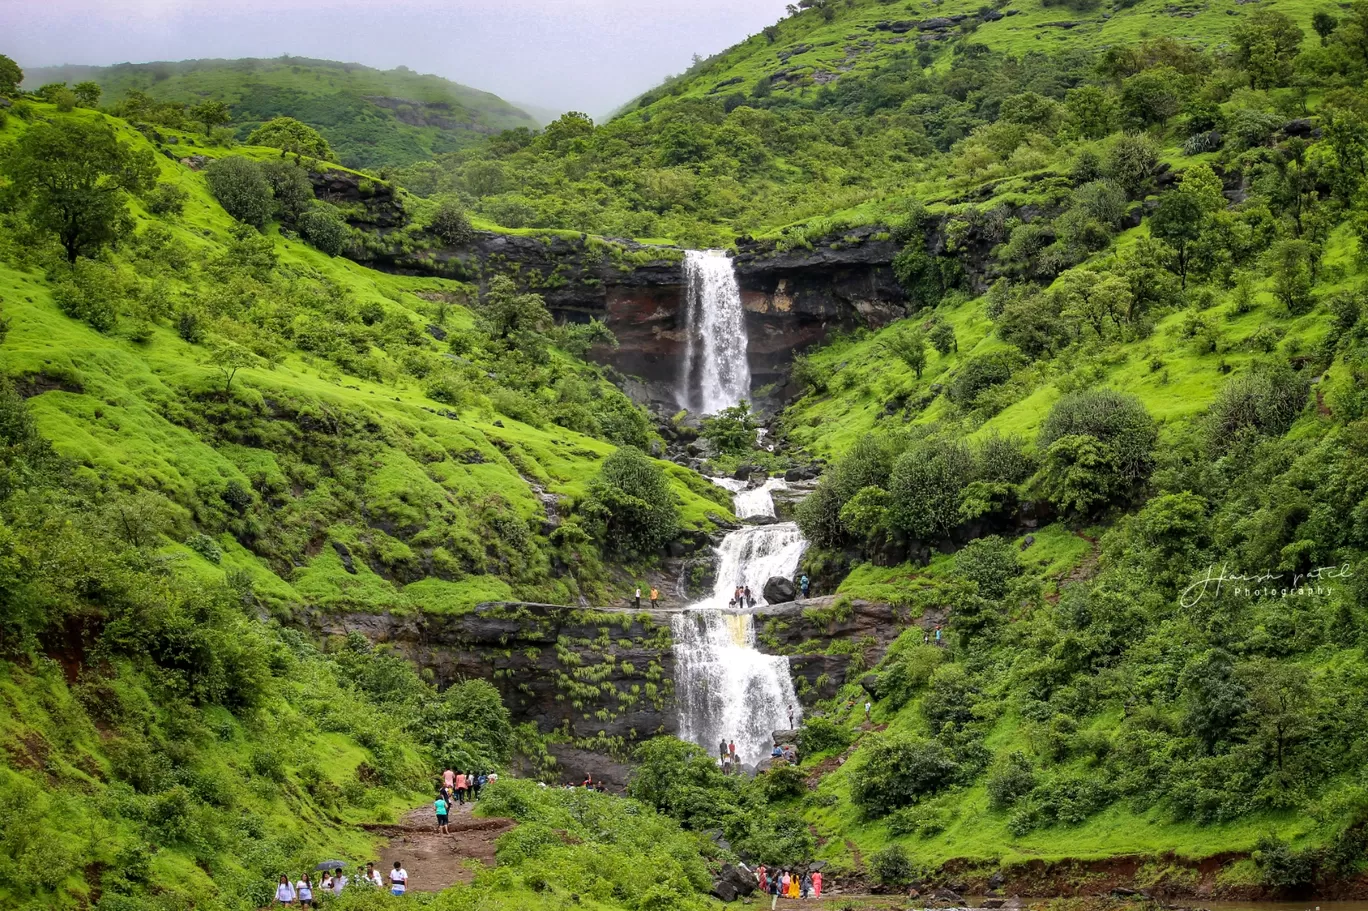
(371, 117)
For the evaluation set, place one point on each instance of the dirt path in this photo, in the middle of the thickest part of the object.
(435, 861)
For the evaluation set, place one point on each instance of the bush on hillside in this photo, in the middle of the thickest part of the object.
(820, 734)
(891, 866)
(325, 228)
(991, 563)
(1098, 448)
(630, 504)
(898, 771)
(731, 430)
(290, 186)
(241, 188)
(980, 374)
(1264, 401)
(451, 224)
(166, 200)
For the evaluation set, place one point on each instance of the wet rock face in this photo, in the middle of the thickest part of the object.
(530, 653)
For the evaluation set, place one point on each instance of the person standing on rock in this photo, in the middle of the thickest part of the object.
(655, 596)
(636, 601)
(461, 785)
(804, 584)
(750, 599)
(722, 750)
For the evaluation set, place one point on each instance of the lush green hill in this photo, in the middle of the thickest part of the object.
(372, 118)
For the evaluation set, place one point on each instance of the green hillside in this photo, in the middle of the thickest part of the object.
(372, 118)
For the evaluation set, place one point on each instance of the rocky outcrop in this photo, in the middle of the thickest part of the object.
(594, 676)
(779, 590)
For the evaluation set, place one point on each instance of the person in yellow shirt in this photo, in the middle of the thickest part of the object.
(655, 595)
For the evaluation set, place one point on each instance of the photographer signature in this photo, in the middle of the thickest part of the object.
(1218, 577)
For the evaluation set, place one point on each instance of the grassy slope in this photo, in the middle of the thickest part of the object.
(336, 98)
(116, 426)
(807, 45)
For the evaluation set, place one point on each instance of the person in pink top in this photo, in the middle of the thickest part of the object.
(461, 787)
(449, 778)
(817, 884)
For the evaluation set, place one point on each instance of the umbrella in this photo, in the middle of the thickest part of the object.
(331, 865)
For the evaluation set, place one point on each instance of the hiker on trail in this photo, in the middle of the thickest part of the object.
(483, 780)
(636, 601)
(868, 706)
(285, 893)
(731, 748)
(449, 779)
(750, 599)
(398, 880)
(804, 584)
(784, 884)
(722, 750)
(372, 877)
(304, 892)
(926, 637)
(817, 884)
(774, 891)
(655, 596)
(325, 884)
(938, 636)
(761, 879)
(440, 806)
(339, 882)
(793, 885)
(807, 884)
(461, 785)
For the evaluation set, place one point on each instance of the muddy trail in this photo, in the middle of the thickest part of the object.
(435, 861)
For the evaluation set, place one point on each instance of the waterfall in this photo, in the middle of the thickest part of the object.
(716, 373)
(724, 687)
(750, 503)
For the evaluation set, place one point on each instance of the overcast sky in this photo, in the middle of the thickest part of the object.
(588, 55)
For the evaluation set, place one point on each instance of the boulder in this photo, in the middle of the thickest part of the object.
(949, 896)
(743, 473)
(870, 684)
(724, 891)
(738, 877)
(994, 902)
(779, 590)
(782, 737)
(996, 880)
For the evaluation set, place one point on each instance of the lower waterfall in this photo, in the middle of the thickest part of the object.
(726, 690)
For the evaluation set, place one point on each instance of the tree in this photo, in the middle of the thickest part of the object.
(1266, 43)
(290, 187)
(87, 93)
(324, 227)
(1091, 112)
(11, 76)
(72, 177)
(241, 187)
(1098, 448)
(211, 114)
(1131, 162)
(506, 315)
(1293, 264)
(631, 505)
(1178, 222)
(1092, 297)
(289, 135)
(771, 33)
(942, 338)
(1151, 97)
(897, 771)
(731, 429)
(907, 344)
(451, 224)
(228, 359)
(1325, 24)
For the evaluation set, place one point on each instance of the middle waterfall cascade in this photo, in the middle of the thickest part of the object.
(750, 503)
(716, 372)
(726, 690)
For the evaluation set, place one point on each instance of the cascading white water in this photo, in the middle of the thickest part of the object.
(716, 373)
(752, 503)
(726, 690)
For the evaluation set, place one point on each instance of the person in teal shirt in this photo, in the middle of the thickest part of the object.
(440, 806)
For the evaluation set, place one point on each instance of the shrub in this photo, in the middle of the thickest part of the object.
(166, 199)
(290, 185)
(206, 547)
(451, 224)
(241, 188)
(1266, 400)
(1131, 162)
(980, 374)
(324, 227)
(1010, 781)
(631, 504)
(1116, 419)
(991, 563)
(891, 866)
(907, 669)
(898, 771)
(820, 734)
(925, 488)
(732, 429)
(90, 292)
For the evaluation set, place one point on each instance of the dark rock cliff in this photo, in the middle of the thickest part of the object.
(793, 298)
(603, 679)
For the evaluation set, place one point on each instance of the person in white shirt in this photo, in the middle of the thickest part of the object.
(304, 892)
(285, 893)
(372, 877)
(398, 880)
(339, 882)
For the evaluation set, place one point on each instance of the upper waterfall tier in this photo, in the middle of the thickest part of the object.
(716, 373)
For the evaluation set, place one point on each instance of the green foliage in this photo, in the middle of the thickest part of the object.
(1098, 447)
(72, 179)
(1265, 400)
(166, 200)
(451, 224)
(291, 136)
(990, 563)
(820, 734)
(731, 430)
(891, 866)
(324, 227)
(11, 76)
(897, 771)
(631, 505)
(240, 186)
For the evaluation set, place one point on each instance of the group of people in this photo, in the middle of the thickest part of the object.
(726, 752)
(787, 752)
(742, 597)
(458, 787)
(932, 635)
(307, 894)
(655, 597)
(788, 884)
